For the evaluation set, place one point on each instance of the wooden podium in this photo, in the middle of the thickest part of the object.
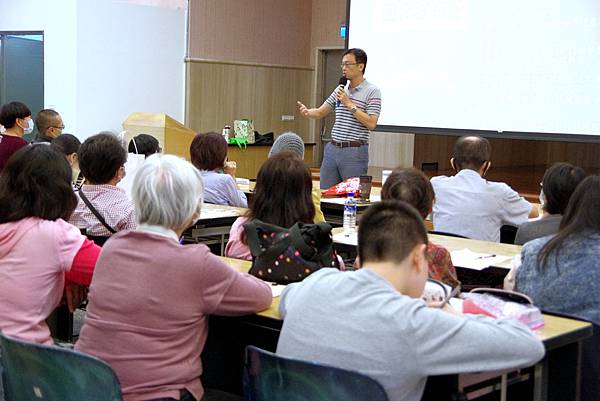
(174, 137)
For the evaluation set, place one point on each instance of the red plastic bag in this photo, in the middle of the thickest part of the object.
(351, 185)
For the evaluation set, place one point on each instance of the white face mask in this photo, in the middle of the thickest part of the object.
(542, 198)
(29, 128)
(2, 129)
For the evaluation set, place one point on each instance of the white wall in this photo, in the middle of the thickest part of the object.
(130, 58)
(104, 59)
(57, 19)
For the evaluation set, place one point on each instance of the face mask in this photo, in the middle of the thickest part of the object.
(2, 129)
(542, 199)
(29, 128)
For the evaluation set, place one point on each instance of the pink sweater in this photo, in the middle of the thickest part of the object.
(235, 248)
(148, 313)
(35, 254)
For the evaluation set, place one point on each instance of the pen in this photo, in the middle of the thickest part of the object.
(486, 256)
(455, 291)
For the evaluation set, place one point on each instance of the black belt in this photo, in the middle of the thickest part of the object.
(348, 144)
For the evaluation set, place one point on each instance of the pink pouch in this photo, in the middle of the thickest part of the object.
(491, 304)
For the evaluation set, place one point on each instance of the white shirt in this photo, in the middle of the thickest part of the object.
(469, 205)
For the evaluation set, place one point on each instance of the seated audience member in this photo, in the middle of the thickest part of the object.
(151, 296)
(292, 142)
(68, 145)
(101, 159)
(372, 320)
(413, 187)
(49, 124)
(561, 272)
(15, 117)
(38, 248)
(469, 205)
(209, 154)
(558, 184)
(282, 196)
(144, 144)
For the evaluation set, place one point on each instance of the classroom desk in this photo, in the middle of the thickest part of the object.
(555, 377)
(215, 221)
(492, 276)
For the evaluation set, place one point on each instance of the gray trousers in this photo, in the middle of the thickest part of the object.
(340, 164)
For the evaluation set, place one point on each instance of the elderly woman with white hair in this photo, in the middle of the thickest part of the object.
(150, 298)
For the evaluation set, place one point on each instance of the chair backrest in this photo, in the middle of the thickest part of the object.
(40, 372)
(97, 239)
(508, 234)
(269, 377)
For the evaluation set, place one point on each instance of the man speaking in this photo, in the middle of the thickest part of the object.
(357, 108)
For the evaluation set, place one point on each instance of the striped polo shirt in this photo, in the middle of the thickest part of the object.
(366, 97)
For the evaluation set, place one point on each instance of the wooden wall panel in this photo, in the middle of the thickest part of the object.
(326, 19)
(511, 152)
(257, 31)
(219, 93)
(388, 150)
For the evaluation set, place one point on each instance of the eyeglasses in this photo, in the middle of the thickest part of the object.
(347, 64)
(60, 127)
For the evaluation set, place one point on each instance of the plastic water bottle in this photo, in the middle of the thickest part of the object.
(226, 132)
(350, 214)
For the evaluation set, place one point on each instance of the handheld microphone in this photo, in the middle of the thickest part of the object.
(343, 81)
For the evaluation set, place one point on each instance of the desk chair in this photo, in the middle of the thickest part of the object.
(269, 377)
(508, 234)
(40, 372)
(97, 239)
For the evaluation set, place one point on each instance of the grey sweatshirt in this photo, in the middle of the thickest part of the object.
(358, 321)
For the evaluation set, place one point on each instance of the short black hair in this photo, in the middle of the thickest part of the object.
(44, 120)
(412, 186)
(558, 184)
(36, 182)
(100, 157)
(388, 231)
(208, 151)
(471, 152)
(66, 144)
(144, 144)
(359, 55)
(11, 111)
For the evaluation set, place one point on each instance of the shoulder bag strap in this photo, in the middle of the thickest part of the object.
(254, 242)
(96, 212)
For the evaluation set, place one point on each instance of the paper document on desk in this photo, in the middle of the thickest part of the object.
(468, 259)
(277, 289)
(348, 239)
(216, 213)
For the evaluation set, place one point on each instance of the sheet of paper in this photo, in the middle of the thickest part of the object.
(468, 259)
(215, 213)
(276, 289)
(456, 303)
(344, 238)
